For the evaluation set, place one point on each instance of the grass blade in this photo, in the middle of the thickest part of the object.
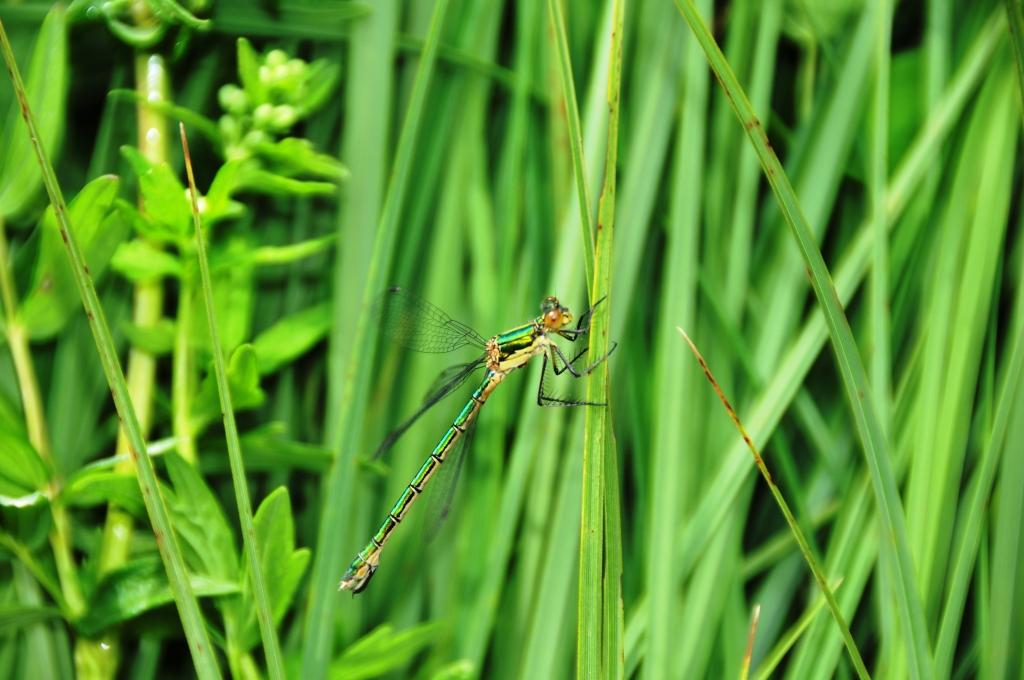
(188, 607)
(798, 534)
(599, 626)
(572, 121)
(271, 648)
(851, 367)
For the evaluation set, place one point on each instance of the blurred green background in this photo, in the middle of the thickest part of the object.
(344, 146)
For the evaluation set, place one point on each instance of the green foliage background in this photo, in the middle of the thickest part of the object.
(456, 148)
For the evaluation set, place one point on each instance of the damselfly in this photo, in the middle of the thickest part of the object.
(420, 326)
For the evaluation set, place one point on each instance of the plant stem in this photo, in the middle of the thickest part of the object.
(35, 422)
(151, 84)
(181, 378)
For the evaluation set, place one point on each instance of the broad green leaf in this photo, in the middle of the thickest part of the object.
(52, 296)
(245, 386)
(156, 340)
(291, 337)
(205, 536)
(138, 587)
(140, 261)
(163, 195)
(282, 564)
(382, 650)
(23, 474)
(90, 487)
(144, 225)
(20, 177)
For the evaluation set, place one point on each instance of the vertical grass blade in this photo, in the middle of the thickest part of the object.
(974, 510)
(333, 535)
(851, 367)
(572, 121)
(271, 648)
(1015, 21)
(188, 607)
(599, 626)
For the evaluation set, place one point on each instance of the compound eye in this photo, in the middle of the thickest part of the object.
(553, 317)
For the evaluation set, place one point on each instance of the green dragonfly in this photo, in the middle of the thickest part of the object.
(418, 325)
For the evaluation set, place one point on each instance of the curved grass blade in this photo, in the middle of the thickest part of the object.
(447, 382)
(798, 534)
(201, 649)
(851, 367)
(419, 325)
(264, 615)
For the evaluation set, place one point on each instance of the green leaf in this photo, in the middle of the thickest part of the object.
(251, 177)
(382, 650)
(138, 587)
(139, 261)
(143, 225)
(90, 487)
(52, 296)
(23, 474)
(20, 177)
(322, 84)
(277, 255)
(244, 377)
(206, 538)
(157, 339)
(163, 195)
(249, 72)
(291, 337)
(293, 156)
(282, 564)
(218, 205)
(10, 416)
(269, 448)
(233, 291)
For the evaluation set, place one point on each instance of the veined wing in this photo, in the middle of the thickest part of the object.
(447, 382)
(442, 489)
(418, 325)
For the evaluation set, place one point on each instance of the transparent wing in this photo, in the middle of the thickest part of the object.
(444, 485)
(418, 325)
(447, 382)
